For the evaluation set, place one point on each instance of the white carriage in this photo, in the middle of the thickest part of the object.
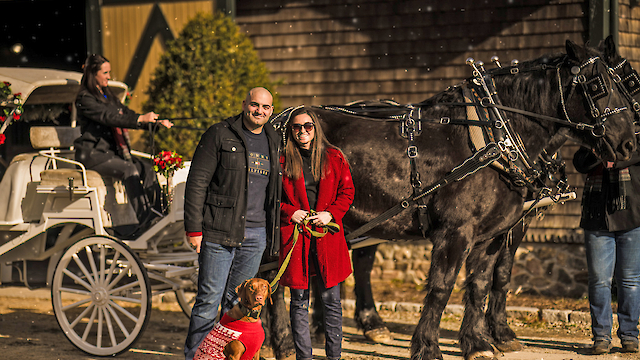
(55, 220)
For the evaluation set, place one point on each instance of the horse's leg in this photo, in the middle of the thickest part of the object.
(475, 340)
(366, 315)
(277, 325)
(505, 338)
(450, 249)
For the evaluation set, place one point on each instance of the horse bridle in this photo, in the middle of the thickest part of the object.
(629, 81)
(593, 89)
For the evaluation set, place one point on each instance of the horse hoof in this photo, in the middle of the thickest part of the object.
(482, 355)
(382, 336)
(510, 346)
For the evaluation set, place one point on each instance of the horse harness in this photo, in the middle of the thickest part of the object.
(494, 140)
(628, 77)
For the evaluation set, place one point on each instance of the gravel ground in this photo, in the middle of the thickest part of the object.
(29, 331)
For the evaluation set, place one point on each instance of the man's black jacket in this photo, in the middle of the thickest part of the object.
(598, 212)
(216, 191)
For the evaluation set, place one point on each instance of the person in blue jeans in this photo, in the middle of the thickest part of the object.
(232, 208)
(611, 220)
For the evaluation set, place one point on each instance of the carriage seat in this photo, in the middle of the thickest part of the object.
(53, 137)
(115, 208)
(23, 174)
(19, 200)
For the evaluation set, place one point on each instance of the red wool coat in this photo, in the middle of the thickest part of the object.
(335, 195)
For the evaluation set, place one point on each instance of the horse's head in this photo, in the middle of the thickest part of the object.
(623, 72)
(600, 103)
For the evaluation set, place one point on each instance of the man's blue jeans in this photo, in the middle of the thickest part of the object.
(608, 255)
(221, 270)
(299, 312)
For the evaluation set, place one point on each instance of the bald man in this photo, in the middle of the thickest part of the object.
(231, 208)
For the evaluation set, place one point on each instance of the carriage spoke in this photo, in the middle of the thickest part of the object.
(125, 287)
(100, 325)
(101, 274)
(92, 264)
(75, 291)
(117, 279)
(82, 315)
(112, 267)
(124, 311)
(76, 304)
(127, 299)
(112, 335)
(83, 269)
(89, 324)
(115, 316)
(78, 280)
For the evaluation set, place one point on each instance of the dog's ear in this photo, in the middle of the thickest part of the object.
(240, 290)
(269, 289)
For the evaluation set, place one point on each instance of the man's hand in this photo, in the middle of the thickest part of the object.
(195, 242)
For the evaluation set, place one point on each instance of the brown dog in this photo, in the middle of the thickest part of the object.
(239, 334)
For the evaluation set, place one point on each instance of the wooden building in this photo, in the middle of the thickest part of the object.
(134, 33)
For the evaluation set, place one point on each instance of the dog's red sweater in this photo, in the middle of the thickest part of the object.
(250, 334)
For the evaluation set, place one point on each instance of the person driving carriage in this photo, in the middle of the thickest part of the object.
(104, 145)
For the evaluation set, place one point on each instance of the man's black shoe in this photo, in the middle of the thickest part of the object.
(629, 346)
(601, 347)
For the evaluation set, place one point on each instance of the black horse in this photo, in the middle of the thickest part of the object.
(467, 220)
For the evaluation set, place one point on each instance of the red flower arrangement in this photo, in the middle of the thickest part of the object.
(11, 107)
(8, 97)
(167, 162)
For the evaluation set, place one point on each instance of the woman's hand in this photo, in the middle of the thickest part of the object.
(299, 216)
(321, 219)
(152, 117)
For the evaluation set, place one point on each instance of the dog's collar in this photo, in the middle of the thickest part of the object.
(251, 313)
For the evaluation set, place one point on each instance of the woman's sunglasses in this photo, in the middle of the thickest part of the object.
(307, 126)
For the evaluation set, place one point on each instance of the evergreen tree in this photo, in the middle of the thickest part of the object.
(205, 73)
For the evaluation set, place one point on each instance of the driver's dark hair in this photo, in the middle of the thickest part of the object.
(89, 71)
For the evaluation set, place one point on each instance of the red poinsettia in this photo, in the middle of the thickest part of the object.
(2, 139)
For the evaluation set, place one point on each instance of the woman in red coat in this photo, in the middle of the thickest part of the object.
(316, 177)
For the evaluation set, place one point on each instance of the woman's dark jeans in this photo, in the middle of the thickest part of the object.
(332, 320)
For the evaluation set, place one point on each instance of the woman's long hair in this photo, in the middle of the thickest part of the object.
(319, 145)
(89, 71)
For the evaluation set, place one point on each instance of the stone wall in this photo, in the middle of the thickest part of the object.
(540, 268)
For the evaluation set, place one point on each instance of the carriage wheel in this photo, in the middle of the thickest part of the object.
(186, 296)
(101, 296)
